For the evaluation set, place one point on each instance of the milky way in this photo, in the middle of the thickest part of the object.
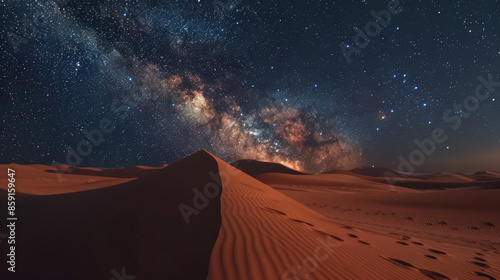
(243, 79)
(276, 132)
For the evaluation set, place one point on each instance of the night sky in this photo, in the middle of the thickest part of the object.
(122, 83)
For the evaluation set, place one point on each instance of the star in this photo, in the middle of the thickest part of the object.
(207, 72)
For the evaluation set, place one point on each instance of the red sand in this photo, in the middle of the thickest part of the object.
(339, 225)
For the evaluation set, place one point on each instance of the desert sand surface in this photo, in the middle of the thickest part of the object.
(87, 223)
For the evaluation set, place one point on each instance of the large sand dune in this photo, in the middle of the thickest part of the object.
(201, 218)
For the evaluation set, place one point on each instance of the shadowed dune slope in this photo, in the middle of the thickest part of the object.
(135, 226)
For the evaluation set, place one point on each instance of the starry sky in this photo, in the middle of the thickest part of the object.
(109, 83)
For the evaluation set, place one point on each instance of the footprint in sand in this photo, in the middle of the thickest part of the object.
(490, 225)
(480, 259)
(362, 242)
(332, 236)
(417, 243)
(409, 218)
(402, 243)
(352, 235)
(437, 252)
(300, 221)
(431, 274)
(443, 223)
(481, 264)
(431, 257)
(485, 275)
(402, 262)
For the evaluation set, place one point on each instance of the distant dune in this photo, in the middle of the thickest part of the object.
(375, 171)
(254, 167)
(201, 218)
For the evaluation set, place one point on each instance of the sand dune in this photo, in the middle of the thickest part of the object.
(201, 218)
(254, 167)
(374, 171)
(134, 225)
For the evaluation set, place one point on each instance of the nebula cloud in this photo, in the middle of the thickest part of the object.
(278, 132)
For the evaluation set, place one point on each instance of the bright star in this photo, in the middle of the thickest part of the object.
(415, 87)
(425, 104)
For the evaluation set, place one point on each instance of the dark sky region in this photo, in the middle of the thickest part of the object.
(121, 83)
